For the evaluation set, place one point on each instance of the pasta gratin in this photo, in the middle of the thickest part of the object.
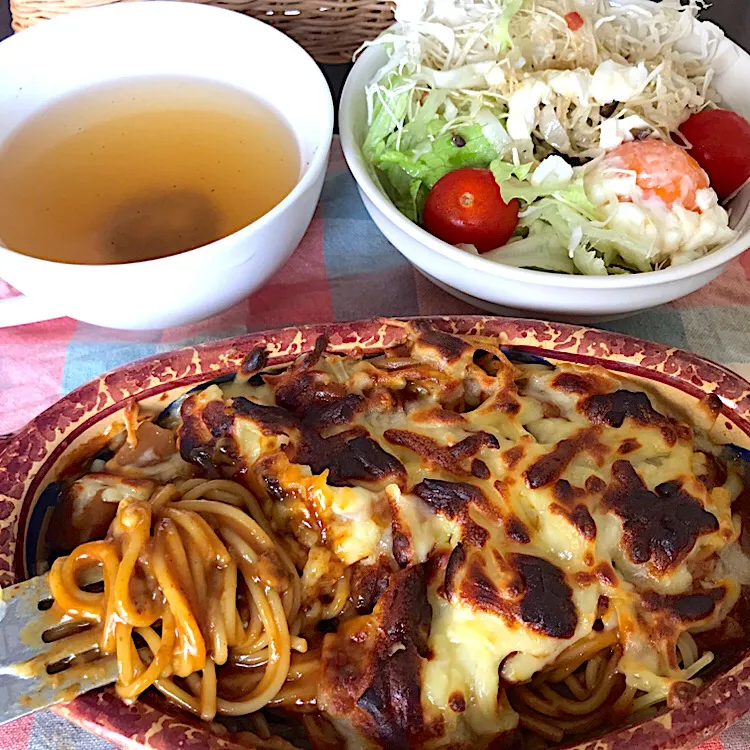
(432, 547)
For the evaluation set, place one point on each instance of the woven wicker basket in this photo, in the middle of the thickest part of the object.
(330, 30)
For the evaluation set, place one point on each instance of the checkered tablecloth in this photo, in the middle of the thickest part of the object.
(344, 269)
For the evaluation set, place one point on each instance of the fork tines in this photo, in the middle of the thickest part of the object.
(44, 659)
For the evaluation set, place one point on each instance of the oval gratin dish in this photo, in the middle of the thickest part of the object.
(31, 458)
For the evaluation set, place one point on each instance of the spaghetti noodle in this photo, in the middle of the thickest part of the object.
(173, 609)
(432, 546)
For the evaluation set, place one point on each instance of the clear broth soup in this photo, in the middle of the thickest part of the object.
(142, 169)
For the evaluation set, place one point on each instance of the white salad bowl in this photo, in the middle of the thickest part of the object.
(498, 288)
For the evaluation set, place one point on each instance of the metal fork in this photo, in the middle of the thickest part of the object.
(42, 661)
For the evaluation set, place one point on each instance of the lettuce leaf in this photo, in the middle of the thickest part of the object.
(572, 194)
(593, 250)
(426, 122)
(385, 119)
(500, 35)
(542, 250)
(407, 174)
(588, 262)
(503, 171)
(442, 155)
(404, 192)
(560, 228)
(618, 249)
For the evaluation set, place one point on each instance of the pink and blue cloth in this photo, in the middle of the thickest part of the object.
(343, 270)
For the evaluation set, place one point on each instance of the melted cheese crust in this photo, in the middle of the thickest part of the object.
(544, 503)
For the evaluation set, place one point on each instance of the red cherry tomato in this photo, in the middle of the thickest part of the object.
(574, 21)
(465, 207)
(721, 145)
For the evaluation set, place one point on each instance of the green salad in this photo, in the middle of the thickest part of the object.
(564, 101)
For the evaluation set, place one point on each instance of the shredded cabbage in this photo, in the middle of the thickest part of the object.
(629, 59)
(506, 83)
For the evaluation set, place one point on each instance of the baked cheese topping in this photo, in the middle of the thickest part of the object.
(494, 522)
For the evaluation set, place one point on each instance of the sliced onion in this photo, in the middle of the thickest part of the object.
(552, 130)
(494, 132)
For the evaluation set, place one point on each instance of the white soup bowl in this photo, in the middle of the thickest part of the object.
(126, 41)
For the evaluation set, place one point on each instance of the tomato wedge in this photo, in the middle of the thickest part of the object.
(720, 143)
(465, 207)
